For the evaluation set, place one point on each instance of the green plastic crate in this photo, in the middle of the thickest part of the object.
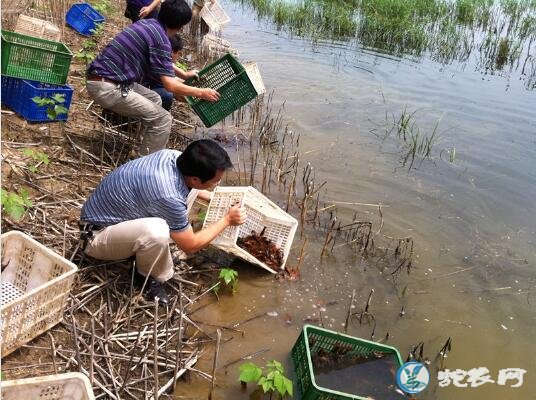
(230, 79)
(36, 59)
(324, 339)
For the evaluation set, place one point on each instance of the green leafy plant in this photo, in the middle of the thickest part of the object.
(53, 104)
(38, 156)
(230, 277)
(15, 203)
(102, 6)
(87, 52)
(271, 380)
(182, 66)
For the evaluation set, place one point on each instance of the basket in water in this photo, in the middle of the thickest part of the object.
(230, 79)
(35, 285)
(38, 28)
(214, 16)
(17, 94)
(262, 215)
(318, 345)
(36, 59)
(83, 18)
(69, 386)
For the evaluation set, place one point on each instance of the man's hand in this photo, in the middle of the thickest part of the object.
(191, 74)
(236, 216)
(210, 95)
(145, 11)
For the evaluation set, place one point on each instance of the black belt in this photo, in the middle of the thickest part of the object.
(86, 232)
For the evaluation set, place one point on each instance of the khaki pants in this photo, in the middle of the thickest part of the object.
(146, 238)
(141, 103)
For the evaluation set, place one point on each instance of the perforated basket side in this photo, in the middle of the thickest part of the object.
(18, 93)
(71, 386)
(83, 18)
(229, 78)
(36, 59)
(40, 281)
(214, 16)
(255, 77)
(37, 27)
(261, 215)
(311, 341)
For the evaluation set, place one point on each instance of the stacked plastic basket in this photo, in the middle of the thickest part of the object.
(34, 73)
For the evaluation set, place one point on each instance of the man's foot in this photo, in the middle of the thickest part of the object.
(152, 289)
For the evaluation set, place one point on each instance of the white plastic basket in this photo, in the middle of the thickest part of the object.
(38, 28)
(217, 46)
(252, 70)
(261, 213)
(35, 285)
(214, 16)
(69, 386)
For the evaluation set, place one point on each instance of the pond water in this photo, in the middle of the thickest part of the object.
(472, 216)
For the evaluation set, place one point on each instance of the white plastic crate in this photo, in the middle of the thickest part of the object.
(252, 70)
(214, 16)
(261, 213)
(35, 285)
(37, 28)
(69, 386)
(217, 46)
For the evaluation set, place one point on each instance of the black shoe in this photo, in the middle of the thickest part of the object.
(152, 289)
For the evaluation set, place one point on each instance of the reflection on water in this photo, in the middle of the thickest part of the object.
(495, 36)
(473, 220)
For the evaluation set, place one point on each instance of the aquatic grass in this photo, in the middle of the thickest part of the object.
(446, 30)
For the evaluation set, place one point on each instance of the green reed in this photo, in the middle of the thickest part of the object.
(499, 31)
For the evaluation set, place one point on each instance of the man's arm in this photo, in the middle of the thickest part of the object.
(179, 73)
(178, 88)
(145, 11)
(190, 241)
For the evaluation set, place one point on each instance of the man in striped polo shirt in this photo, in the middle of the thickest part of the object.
(142, 48)
(140, 206)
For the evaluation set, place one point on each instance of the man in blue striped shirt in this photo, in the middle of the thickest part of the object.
(142, 48)
(141, 205)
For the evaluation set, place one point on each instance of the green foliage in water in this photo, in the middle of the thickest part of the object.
(230, 277)
(271, 379)
(447, 29)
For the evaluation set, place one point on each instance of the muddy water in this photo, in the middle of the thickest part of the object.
(473, 220)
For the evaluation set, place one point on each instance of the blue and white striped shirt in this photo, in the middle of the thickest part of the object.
(150, 186)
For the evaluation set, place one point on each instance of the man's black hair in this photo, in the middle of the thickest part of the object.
(202, 158)
(174, 14)
(176, 43)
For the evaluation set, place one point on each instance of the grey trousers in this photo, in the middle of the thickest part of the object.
(141, 103)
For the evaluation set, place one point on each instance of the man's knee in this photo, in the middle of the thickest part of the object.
(155, 232)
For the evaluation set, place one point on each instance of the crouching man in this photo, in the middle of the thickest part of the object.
(140, 206)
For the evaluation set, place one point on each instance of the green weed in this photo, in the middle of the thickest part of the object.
(54, 105)
(270, 380)
(38, 157)
(15, 204)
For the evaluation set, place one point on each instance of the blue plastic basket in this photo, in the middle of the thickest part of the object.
(17, 94)
(83, 18)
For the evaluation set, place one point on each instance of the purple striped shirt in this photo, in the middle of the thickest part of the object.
(142, 48)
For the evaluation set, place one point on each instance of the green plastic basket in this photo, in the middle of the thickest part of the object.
(311, 341)
(230, 79)
(36, 59)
